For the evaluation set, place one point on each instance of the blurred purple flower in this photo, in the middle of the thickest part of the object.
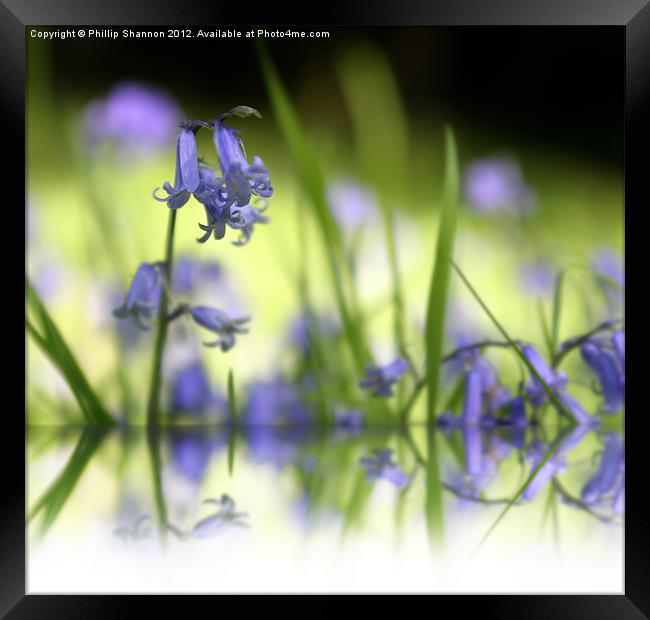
(218, 322)
(604, 359)
(352, 204)
(303, 326)
(349, 420)
(495, 185)
(381, 466)
(143, 297)
(275, 402)
(607, 485)
(537, 278)
(191, 390)
(191, 453)
(557, 382)
(380, 379)
(139, 119)
(556, 463)
(606, 262)
(191, 274)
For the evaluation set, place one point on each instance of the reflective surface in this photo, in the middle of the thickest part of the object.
(268, 509)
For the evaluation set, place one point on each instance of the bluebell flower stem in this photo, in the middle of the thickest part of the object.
(153, 404)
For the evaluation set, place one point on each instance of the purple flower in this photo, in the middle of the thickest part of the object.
(191, 454)
(607, 485)
(604, 360)
(251, 216)
(537, 278)
(306, 325)
(618, 340)
(191, 274)
(606, 262)
(472, 404)
(187, 176)
(191, 391)
(240, 180)
(218, 322)
(349, 420)
(496, 186)
(143, 297)
(352, 205)
(381, 379)
(381, 466)
(557, 382)
(139, 119)
(555, 465)
(275, 402)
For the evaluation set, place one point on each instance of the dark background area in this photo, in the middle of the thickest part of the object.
(560, 85)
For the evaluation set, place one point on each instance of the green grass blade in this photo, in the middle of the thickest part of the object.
(48, 337)
(232, 405)
(546, 332)
(433, 499)
(311, 179)
(440, 275)
(153, 444)
(382, 148)
(557, 313)
(54, 499)
(556, 401)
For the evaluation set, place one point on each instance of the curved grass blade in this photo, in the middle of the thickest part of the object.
(556, 401)
(48, 337)
(54, 499)
(557, 311)
(440, 275)
(309, 173)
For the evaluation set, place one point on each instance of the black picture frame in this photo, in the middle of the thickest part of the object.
(631, 16)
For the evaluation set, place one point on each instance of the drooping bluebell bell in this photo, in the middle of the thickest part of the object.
(496, 185)
(143, 297)
(191, 390)
(240, 180)
(556, 381)
(381, 466)
(226, 516)
(138, 119)
(251, 215)
(379, 380)
(187, 178)
(606, 487)
(556, 464)
(218, 322)
(603, 360)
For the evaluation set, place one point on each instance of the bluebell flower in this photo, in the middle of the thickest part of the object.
(187, 177)
(618, 340)
(496, 186)
(472, 404)
(557, 382)
(381, 466)
(218, 322)
(240, 180)
(143, 298)
(556, 465)
(191, 390)
(137, 118)
(604, 361)
(606, 487)
(277, 445)
(226, 516)
(251, 215)
(381, 378)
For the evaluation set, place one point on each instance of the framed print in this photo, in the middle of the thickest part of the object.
(336, 308)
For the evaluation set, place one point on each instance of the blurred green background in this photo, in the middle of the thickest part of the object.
(374, 103)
